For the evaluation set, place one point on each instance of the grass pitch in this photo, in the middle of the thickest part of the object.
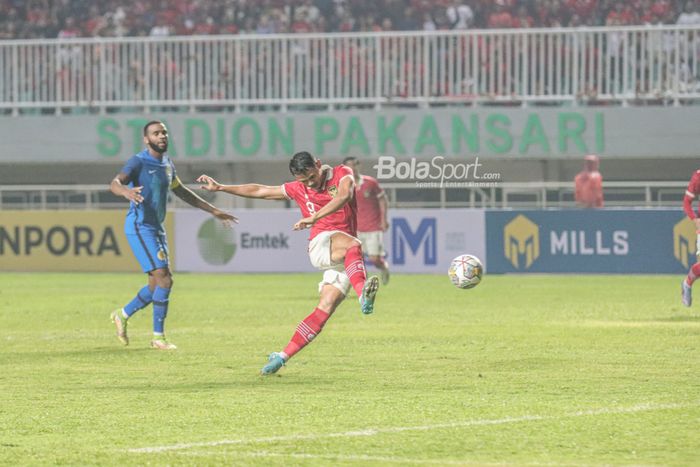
(522, 370)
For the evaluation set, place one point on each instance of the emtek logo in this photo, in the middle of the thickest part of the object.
(403, 237)
(216, 242)
(521, 239)
(684, 242)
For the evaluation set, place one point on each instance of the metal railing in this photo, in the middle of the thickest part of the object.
(537, 195)
(625, 65)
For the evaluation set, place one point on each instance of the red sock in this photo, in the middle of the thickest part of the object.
(306, 331)
(693, 274)
(355, 268)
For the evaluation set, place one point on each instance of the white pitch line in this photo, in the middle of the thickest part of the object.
(388, 459)
(340, 457)
(375, 431)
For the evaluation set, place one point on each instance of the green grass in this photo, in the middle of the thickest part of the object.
(522, 370)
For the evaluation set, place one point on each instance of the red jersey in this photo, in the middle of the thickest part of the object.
(311, 201)
(369, 216)
(691, 193)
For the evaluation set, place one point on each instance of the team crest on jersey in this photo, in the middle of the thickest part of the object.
(366, 193)
(332, 190)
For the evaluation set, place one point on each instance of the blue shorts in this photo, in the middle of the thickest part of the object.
(150, 249)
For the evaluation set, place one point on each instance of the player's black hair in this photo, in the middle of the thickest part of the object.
(301, 162)
(152, 122)
(349, 159)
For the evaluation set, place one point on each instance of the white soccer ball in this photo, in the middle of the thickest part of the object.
(465, 271)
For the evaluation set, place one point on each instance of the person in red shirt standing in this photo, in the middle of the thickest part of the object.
(691, 194)
(326, 197)
(371, 217)
(589, 184)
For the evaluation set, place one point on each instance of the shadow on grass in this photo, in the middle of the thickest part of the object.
(236, 382)
(678, 319)
(82, 353)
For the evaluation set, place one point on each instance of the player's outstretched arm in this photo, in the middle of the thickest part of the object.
(250, 190)
(119, 188)
(191, 198)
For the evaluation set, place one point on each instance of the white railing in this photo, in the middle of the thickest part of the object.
(537, 195)
(624, 65)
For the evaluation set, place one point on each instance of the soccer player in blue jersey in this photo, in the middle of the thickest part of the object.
(144, 181)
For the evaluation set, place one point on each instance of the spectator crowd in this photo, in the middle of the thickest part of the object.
(31, 19)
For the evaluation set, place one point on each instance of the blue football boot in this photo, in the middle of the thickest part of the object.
(369, 292)
(275, 362)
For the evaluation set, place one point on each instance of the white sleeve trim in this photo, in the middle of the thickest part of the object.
(284, 192)
(346, 176)
(689, 194)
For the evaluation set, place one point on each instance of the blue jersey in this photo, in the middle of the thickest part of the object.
(155, 176)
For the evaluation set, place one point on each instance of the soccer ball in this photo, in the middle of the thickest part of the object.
(465, 271)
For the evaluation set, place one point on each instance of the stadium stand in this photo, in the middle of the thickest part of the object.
(136, 18)
(491, 53)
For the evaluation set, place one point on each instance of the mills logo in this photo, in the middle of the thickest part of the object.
(684, 247)
(521, 242)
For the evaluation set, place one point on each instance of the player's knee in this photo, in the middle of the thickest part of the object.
(353, 245)
(331, 297)
(163, 279)
(327, 305)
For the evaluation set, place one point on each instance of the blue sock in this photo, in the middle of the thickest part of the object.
(160, 309)
(141, 300)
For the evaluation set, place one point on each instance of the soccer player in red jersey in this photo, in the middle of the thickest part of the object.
(326, 197)
(371, 217)
(589, 184)
(691, 193)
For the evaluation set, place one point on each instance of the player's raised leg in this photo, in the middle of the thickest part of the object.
(333, 289)
(348, 250)
(147, 250)
(120, 317)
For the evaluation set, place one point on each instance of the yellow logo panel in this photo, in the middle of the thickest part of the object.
(684, 241)
(67, 241)
(521, 237)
